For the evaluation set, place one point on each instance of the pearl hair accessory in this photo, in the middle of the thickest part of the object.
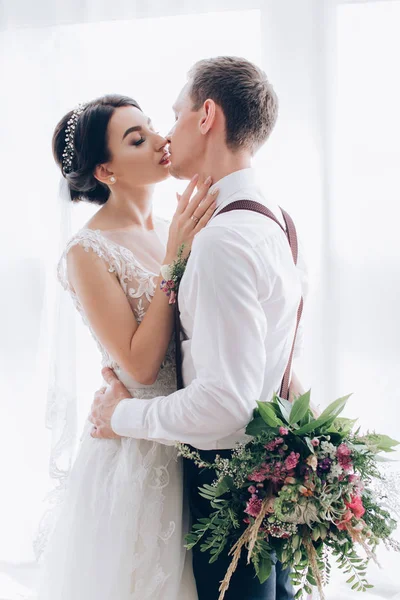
(69, 151)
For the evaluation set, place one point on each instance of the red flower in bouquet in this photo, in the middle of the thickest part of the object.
(356, 507)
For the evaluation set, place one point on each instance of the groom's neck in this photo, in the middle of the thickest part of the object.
(219, 163)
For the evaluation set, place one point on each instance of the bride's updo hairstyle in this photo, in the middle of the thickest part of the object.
(80, 143)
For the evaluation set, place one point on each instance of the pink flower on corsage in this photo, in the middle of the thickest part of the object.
(283, 430)
(168, 287)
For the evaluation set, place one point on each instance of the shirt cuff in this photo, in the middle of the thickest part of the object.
(128, 419)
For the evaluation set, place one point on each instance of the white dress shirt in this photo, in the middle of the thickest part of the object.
(238, 300)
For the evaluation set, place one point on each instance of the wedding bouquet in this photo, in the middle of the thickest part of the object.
(302, 488)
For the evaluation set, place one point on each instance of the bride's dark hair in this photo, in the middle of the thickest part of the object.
(90, 147)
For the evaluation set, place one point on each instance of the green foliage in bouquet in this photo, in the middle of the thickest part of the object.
(302, 487)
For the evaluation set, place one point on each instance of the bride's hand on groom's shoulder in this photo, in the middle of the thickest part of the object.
(104, 404)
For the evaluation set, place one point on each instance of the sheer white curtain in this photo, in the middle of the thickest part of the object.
(55, 54)
(363, 290)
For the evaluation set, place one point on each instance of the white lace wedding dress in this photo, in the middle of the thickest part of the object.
(119, 535)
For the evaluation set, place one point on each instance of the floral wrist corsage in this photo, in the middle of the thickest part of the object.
(172, 275)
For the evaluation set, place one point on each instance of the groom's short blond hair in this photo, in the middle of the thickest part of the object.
(242, 90)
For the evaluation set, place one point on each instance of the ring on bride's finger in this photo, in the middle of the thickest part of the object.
(195, 219)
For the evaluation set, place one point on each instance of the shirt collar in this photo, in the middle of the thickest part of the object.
(234, 182)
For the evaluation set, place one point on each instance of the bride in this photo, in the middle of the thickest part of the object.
(119, 535)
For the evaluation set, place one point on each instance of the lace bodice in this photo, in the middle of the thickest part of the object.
(138, 283)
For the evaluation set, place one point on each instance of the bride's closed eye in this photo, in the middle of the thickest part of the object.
(138, 142)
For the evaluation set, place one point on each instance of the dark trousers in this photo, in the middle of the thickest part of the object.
(244, 584)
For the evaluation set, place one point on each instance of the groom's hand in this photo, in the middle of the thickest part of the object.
(104, 403)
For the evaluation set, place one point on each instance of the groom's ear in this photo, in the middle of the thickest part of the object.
(208, 114)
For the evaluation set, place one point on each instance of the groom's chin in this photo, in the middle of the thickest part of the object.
(177, 173)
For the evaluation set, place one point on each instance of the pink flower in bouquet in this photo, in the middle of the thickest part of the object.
(356, 506)
(272, 445)
(315, 442)
(252, 489)
(343, 454)
(279, 473)
(343, 450)
(292, 461)
(253, 507)
(258, 475)
(346, 518)
(283, 430)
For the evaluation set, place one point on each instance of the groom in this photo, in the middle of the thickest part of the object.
(238, 301)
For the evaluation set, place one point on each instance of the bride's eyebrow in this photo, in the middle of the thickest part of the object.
(132, 129)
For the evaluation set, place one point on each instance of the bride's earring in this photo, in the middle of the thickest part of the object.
(112, 179)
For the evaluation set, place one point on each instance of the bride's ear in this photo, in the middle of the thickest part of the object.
(208, 116)
(104, 175)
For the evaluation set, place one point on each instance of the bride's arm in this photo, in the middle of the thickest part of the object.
(138, 349)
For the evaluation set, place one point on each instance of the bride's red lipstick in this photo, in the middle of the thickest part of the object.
(165, 159)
